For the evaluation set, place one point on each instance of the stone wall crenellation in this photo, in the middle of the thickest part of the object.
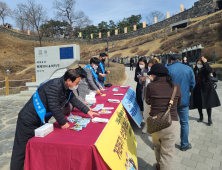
(200, 8)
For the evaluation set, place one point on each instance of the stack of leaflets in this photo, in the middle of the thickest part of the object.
(98, 107)
(115, 89)
(79, 122)
(113, 100)
(100, 120)
(73, 118)
(104, 111)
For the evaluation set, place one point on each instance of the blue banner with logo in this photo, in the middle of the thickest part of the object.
(130, 104)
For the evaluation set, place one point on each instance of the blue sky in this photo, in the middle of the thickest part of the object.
(105, 10)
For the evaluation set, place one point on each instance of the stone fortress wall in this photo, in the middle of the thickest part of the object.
(200, 8)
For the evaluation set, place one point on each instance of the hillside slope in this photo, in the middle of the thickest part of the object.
(17, 55)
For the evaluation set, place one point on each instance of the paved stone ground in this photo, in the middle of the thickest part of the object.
(8, 117)
(206, 141)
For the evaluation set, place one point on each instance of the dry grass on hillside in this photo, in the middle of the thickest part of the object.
(142, 52)
(17, 55)
(134, 50)
(208, 37)
(116, 55)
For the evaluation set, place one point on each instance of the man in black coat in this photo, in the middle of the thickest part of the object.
(99, 72)
(52, 95)
(131, 63)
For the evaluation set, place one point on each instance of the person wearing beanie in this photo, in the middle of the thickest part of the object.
(158, 95)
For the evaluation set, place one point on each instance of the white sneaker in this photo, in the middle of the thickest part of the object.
(144, 129)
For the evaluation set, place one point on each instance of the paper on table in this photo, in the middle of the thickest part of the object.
(118, 94)
(124, 86)
(113, 101)
(105, 112)
(98, 107)
(115, 89)
(107, 108)
(100, 120)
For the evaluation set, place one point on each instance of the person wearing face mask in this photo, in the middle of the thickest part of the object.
(158, 95)
(68, 107)
(185, 61)
(44, 103)
(91, 82)
(145, 79)
(141, 66)
(204, 96)
(101, 72)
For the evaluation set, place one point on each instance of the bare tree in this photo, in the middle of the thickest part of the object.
(5, 11)
(150, 18)
(65, 10)
(35, 15)
(20, 17)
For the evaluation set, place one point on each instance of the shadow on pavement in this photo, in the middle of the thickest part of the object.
(144, 137)
(148, 165)
(192, 118)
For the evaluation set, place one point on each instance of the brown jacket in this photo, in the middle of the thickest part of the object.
(159, 93)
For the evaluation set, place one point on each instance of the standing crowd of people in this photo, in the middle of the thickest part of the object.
(181, 87)
(163, 93)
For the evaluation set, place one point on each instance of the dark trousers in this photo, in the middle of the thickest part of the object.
(209, 110)
(24, 132)
(131, 66)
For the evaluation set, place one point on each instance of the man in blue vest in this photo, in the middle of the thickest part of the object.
(184, 76)
(47, 101)
(101, 72)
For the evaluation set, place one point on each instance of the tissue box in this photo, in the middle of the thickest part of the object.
(90, 99)
(92, 94)
(44, 130)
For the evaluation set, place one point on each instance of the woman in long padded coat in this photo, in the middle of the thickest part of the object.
(204, 96)
(141, 65)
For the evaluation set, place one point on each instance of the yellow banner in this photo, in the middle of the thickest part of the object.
(117, 143)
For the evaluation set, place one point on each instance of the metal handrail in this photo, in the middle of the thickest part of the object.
(20, 80)
(7, 83)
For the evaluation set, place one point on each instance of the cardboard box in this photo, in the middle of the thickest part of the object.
(44, 130)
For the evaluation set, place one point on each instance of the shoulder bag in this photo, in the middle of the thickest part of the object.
(162, 120)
